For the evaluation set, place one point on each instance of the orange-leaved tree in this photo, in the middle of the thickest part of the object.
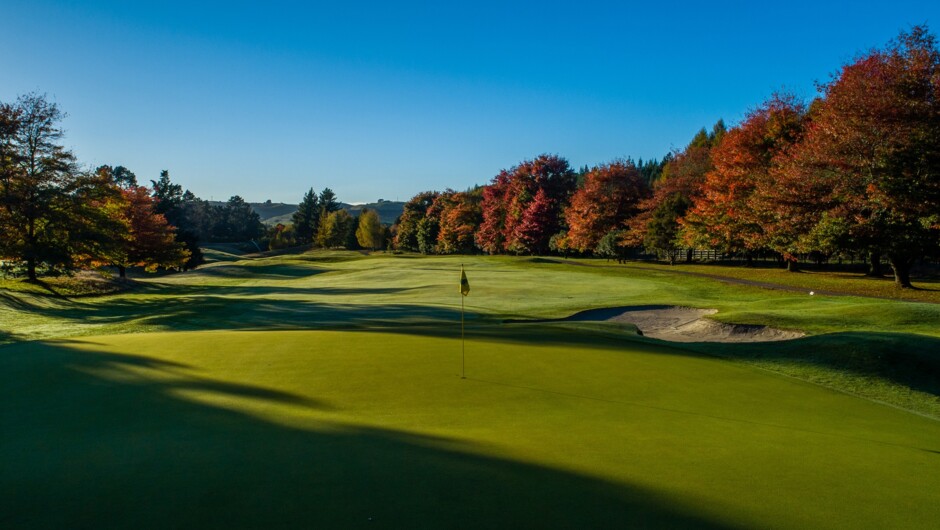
(610, 195)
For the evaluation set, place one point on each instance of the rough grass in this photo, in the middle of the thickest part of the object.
(319, 390)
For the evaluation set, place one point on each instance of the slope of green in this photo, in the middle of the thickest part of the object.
(321, 390)
(327, 429)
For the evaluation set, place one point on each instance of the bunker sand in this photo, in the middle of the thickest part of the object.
(683, 324)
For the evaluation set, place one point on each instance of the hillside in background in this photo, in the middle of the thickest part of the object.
(273, 213)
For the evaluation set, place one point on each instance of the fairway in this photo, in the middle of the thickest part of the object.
(324, 391)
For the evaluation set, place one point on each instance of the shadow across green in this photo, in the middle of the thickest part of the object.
(99, 445)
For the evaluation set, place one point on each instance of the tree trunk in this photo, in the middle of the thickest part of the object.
(874, 265)
(902, 271)
(750, 260)
(793, 265)
(688, 255)
(122, 272)
(31, 269)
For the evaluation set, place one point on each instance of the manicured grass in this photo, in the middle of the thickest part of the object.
(327, 429)
(321, 389)
(853, 283)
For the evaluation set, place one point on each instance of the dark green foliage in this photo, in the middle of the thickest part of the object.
(662, 232)
(650, 170)
(414, 211)
(236, 221)
(169, 197)
(426, 235)
(306, 219)
(609, 246)
(328, 202)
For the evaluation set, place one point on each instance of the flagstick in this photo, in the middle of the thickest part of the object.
(463, 348)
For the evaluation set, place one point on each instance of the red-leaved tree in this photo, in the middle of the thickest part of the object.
(150, 241)
(509, 223)
(875, 143)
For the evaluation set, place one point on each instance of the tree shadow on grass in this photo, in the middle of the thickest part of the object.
(262, 291)
(261, 271)
(93, 443)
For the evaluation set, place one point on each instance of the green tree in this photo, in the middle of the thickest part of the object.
(306, 219)
(406, 237)
(426, 234)
(662, 230)
(334, 229)
(609, 246)
(237, 222)
(169, 197)
(120, 176)
(328, 202)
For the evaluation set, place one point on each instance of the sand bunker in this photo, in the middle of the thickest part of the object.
(684, 324)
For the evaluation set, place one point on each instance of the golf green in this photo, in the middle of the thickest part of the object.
(349, 429)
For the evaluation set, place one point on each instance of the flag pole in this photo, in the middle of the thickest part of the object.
(464, 291)
(463, 345)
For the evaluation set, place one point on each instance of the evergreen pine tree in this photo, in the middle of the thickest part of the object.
(306, 219)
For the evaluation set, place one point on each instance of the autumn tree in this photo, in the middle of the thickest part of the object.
(725, 215)
(875, 143)
(45, 216)
(490, 236)
(510, 222)
(460, 218)
(150, 240)
(370, 233)
(282, 236)
(683, 173)
(609, 196)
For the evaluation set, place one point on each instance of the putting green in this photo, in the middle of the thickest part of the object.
(553, 427)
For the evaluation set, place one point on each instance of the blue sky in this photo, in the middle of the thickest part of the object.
(383, 100)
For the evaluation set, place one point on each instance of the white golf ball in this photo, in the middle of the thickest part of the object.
(811, 293)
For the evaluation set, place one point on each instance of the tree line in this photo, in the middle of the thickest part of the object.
(853, 172)
(55, 215)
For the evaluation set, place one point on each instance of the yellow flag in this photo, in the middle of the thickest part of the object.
(464, 284)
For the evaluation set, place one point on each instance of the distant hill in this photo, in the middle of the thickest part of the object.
(272, 213)
(388, 210)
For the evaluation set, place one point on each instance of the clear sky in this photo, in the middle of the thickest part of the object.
(386, 99)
